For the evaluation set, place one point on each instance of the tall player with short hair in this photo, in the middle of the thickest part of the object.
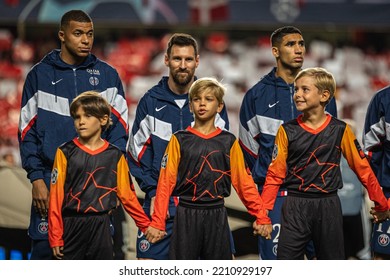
(266, 106)
(45, 122)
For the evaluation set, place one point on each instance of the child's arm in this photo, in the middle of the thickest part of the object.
(166, 183)
(245, 187)
(358, 162)
(56, 226)
(276, 170)
(127, 196)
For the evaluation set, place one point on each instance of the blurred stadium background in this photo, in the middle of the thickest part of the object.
(348, 37)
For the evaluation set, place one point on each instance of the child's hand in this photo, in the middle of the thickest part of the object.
(268, 231)
(263, 230)
(380, 216)
(57, 252)
(154, 235)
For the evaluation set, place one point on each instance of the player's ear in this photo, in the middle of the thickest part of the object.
(104, 120)
(325, 96)
(166, 60)
(275, 52)
(220, 107)
(61, 36)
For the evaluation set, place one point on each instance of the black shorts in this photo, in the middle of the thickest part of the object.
(88, 237)
(317, 219)
(200, 233)
(353, 235)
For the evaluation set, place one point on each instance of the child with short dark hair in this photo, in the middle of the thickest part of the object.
(88, 176)
(199, 166)
(306, 160)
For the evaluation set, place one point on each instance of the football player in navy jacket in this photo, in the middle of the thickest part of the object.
(45, 122)
(267, 105)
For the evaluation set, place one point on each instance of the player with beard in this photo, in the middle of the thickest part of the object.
(163, 110)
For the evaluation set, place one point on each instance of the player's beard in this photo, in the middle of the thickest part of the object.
(182, 81)
(292, 66)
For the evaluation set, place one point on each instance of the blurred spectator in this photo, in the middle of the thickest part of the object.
(8, 159)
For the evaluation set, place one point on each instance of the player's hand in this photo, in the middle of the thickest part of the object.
(57, 252)
(379, 216)
(40, 197)
(262, 230)
(267, 231)
(154, 235)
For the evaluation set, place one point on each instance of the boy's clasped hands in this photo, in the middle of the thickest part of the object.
(154, 235)
(262, 230)
(379, 217)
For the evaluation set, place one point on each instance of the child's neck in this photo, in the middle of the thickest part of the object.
(92, 143)
(313, 120)
(204, 128)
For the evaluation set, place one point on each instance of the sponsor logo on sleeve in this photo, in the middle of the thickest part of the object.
(164, 161)
(275, 152)
(54, 176)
